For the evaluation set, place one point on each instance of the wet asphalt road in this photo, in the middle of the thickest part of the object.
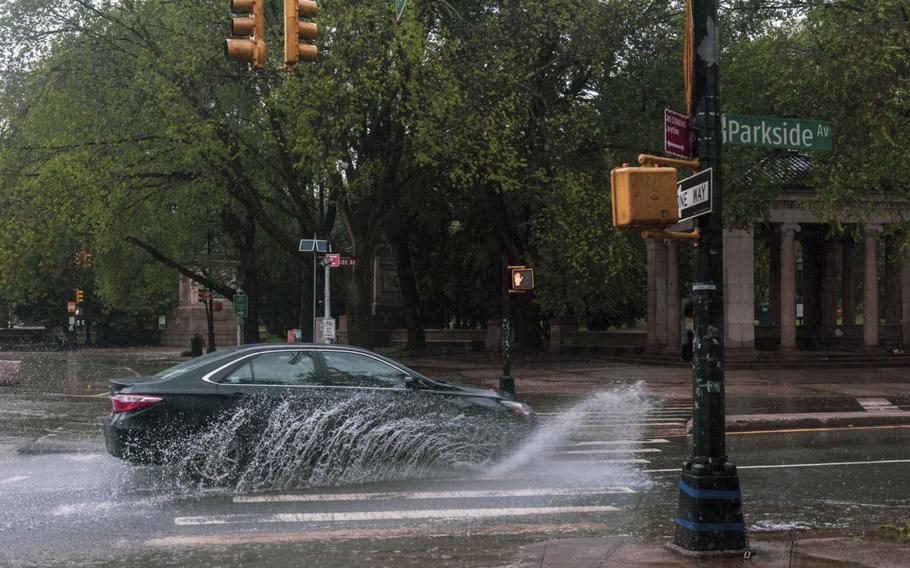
(609, 466)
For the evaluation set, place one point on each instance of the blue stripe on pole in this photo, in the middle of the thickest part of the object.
(710, 527)
(729, 494)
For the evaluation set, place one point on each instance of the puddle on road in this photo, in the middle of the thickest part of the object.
(292, 446)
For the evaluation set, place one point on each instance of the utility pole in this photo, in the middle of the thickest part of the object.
(709, 520)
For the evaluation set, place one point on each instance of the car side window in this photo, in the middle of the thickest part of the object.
(356, 370)
(276, 368)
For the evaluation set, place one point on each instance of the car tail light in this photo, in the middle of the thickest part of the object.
(128, 402)
(517, 407)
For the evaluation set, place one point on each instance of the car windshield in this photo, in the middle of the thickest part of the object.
(194, 363)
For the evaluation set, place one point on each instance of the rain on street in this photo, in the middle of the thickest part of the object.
(602, 463)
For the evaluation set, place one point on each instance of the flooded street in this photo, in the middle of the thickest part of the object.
(410, 490)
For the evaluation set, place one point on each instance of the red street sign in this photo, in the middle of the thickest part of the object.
(334, 260)
(348, 261)
(676, 134)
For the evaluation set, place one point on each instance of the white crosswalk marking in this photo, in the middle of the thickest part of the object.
(624, 442)
(611, 451)
(391, 515)
(877, 405)
(472, 494)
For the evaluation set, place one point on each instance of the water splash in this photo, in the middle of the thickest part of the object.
(295, 444)
(264, 445)
(540, 455)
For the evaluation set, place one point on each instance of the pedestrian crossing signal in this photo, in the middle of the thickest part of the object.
(522, 279)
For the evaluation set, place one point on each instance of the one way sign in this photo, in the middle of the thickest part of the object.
(694, 195)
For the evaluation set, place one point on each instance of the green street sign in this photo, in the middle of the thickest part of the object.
(241, 305)
(767, 132)
(399, 8)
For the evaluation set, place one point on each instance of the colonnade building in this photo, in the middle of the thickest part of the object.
(792, 283)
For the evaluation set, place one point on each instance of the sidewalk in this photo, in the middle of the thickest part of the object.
(769, 550)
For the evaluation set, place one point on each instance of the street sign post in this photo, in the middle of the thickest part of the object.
(768, 132)
(241, 305)
(694, 195)
(676, 134)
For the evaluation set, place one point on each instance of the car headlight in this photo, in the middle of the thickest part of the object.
(517, 407)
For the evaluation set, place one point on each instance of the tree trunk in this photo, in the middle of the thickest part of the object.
(413, 321)
(306, 300)
(528, 326)
(357, 295)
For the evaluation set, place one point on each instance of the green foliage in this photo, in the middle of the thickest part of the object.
(463, 131)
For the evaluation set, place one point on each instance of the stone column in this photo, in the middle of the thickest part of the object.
(892, 281)
(829, 286)
(739, 289)
(787, 286)
(774, 283)
(673, 337)
(657, 294)
(848, 281)
(870, 287)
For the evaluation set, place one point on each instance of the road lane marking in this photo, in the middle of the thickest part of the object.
(432, 495)
(611, 442)
(471, 514)
(272, 537)
(826, 429)
(877, 405)
(785, 465)
(594, 463)
(630, 424)
(611, 451)
(11, 480)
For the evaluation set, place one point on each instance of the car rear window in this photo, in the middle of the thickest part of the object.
(195, 363)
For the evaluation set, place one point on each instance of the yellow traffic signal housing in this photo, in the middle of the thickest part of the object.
(644, 197)
(80, 296)
(295, 30)
(247, 43)
(521, 279)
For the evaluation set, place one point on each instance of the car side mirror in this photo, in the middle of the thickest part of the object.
(412, 383)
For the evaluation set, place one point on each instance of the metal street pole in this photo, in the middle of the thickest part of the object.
(709, 518)
(327, 310)
(506, 382)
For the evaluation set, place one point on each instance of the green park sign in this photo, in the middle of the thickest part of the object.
(766, 132)
(399, 8)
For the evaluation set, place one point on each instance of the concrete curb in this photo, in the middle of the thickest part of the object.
(775, 550)
(747, 422)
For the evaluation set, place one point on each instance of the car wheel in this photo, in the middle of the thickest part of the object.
(218, 469)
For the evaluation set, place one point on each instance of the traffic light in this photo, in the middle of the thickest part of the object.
(247, 42)
(295, 30)
(521, 279)
(80, 296)
(644, 197)
(83, 259)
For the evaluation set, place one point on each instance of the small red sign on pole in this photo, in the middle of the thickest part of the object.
(676, 134)
(334, 260)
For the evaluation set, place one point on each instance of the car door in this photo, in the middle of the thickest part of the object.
(256, 383)
(376, 382)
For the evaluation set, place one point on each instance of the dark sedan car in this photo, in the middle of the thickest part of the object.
(155, 417)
